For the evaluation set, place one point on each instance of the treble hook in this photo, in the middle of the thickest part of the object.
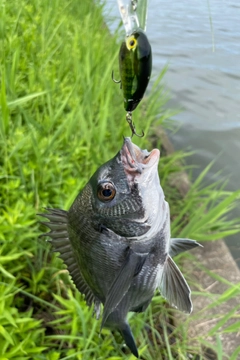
(132, 126)
(114, 80)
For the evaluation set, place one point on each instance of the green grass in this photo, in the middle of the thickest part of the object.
(61, 117)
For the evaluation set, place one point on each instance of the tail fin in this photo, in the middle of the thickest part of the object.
(129, 339)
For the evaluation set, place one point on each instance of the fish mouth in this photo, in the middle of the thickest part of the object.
(136, 160)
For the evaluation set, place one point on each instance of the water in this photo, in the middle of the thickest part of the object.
(203, 82)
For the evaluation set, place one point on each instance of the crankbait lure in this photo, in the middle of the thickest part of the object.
(135, 65)
(135, 57)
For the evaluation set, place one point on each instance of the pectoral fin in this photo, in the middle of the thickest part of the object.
(174, 287)
(178, 246)
(130, 268)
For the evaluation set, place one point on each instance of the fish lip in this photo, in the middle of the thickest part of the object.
(135, 159)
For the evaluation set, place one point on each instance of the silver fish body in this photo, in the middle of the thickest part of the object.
(115, 240)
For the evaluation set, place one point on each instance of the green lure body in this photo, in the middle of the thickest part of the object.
(135, 66)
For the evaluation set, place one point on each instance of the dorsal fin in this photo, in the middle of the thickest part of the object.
(60, 241)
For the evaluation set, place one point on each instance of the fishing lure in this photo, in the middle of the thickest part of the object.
(135, 60)
(135, 66)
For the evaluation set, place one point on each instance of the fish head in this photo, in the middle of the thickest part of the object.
(125, 190)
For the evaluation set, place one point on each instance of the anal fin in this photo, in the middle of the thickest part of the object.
(174, 288)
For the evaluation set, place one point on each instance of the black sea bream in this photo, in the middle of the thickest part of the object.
(115, 240)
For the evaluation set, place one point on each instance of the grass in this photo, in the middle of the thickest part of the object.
(61, 117)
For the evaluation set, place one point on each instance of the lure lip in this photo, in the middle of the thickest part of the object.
(135, 159)
(128, 15)
(133, 14)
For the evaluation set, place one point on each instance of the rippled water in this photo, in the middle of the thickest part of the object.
(204, 82)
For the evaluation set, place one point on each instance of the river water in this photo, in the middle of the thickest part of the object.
(204, 81)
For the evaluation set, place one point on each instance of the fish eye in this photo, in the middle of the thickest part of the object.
(131, 43)
(106, 191)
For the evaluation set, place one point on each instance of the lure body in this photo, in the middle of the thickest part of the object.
(135, 66)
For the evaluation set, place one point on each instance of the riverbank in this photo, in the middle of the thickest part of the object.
(213, 273)
(61, 117)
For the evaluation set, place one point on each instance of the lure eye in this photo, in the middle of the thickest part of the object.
(106, 191)
(131, 43)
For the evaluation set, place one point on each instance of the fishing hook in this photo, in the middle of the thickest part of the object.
(114, 80)
(132, 126)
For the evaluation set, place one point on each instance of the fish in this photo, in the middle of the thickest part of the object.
(135, 67)
(115, 240)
